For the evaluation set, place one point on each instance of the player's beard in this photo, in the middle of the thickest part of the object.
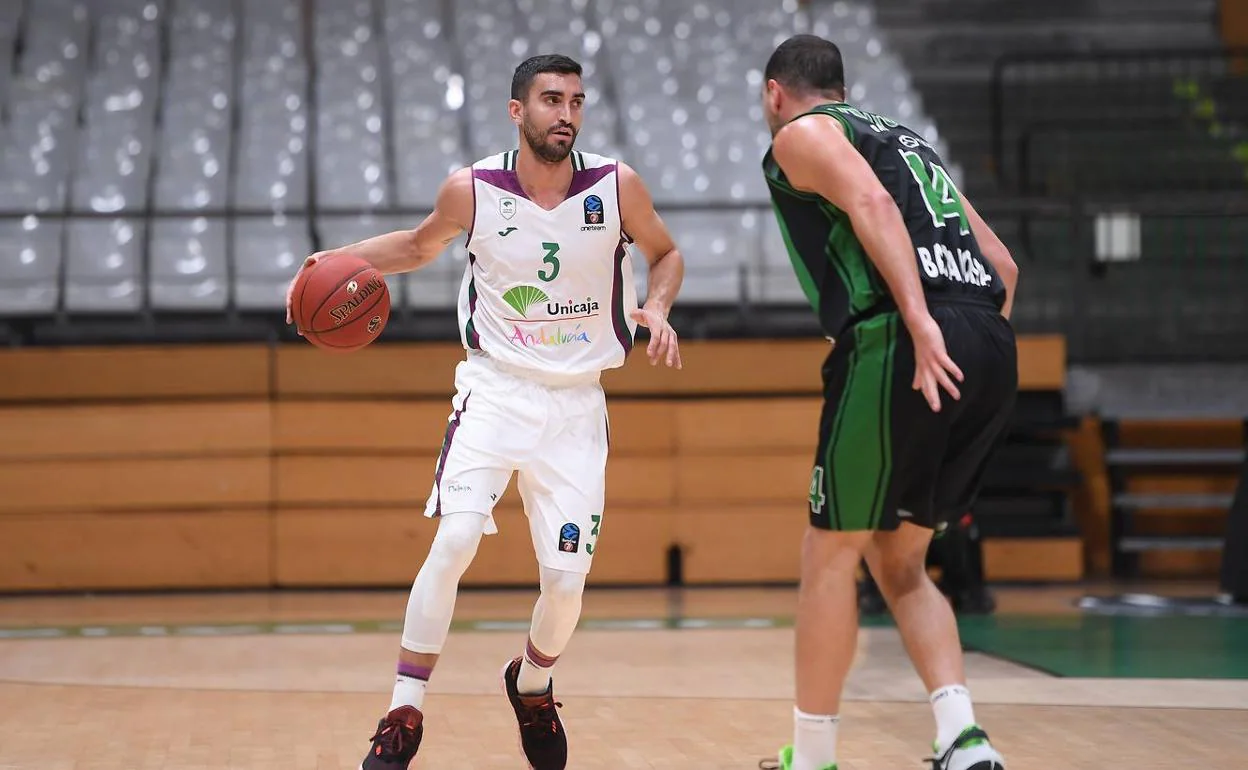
(547, 151)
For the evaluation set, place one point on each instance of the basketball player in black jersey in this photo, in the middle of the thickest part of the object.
(915, 290)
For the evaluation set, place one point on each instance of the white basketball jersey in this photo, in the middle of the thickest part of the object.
(548, 290)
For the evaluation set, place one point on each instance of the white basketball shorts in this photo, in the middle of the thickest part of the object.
(552, 432)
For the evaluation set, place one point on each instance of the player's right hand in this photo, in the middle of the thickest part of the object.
(933, 368)
(290, 288)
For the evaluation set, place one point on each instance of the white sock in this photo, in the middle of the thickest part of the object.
(814, 741)
(952, 707)
(533, 679)
(408, 691)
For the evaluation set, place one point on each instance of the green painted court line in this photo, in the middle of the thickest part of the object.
(1071, 645)
(367, 627)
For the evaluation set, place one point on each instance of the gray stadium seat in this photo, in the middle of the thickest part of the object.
(716, 250)
(267, 254)
(30, 260)
(188, 265)
(196, 132)
(273, 127)
(350, 148)
(103, 273)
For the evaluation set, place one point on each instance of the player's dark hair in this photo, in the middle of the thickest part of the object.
(808, 64)
(537, 65)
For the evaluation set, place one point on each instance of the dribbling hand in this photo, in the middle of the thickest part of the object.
(933, 368)
(290, 289)
(663, 342)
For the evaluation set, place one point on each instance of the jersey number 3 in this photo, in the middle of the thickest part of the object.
(551, 250)
(939, 192)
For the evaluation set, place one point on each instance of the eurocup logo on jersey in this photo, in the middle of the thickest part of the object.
(569, 538)
(594, 214)
(507, 207)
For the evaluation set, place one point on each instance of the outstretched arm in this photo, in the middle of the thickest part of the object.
(816, 156)
(404, 250)
(667, 267)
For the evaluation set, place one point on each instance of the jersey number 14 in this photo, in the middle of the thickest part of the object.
(939, 193)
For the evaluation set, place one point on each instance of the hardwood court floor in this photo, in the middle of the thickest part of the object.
(124, 683)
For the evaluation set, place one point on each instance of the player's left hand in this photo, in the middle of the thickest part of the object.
(663, 343)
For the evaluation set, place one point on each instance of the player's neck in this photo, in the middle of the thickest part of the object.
(808, 103)
(539, 178)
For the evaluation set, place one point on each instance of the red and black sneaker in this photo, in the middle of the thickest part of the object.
(396, 740)
(541, 733)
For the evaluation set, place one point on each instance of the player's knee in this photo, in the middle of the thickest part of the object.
(825, 552)
(562, 589)
(455, 544)
(897, 572)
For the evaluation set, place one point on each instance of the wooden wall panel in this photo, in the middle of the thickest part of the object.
(736, 479)
(161, 549)
(1041, 362)
(129, 485)
(1031, 558)
(346, 427)
(46, 432)
(134, 372)
(748, 426)
(408, 369)
(1205, 434)
(741, 543)
(739, 366)
(350, 547)
(354, 480)
(646, 428)
(633, 548)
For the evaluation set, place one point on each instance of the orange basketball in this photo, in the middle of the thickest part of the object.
(341, 303)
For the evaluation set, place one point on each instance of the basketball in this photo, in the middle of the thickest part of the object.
(341, 304)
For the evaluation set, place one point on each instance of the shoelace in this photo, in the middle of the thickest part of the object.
(390, 738)
(541, 716)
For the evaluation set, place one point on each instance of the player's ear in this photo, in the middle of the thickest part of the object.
(516, 109)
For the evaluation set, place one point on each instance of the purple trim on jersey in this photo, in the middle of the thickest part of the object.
(583, 180)
(472, 223)
(618, 320)
(473, 337)
(446, 450)
(500, 178)
(619, 208)
(508, 181)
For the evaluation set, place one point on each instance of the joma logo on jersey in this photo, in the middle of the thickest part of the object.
(594, 214)
(524, 298)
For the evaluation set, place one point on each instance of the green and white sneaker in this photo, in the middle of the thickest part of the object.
(970, 751)
(784, 761)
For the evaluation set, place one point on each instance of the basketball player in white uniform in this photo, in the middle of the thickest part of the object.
(547, 303)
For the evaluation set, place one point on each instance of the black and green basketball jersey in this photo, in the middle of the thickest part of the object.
(832, 267)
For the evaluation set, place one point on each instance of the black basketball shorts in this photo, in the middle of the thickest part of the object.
(884, 456)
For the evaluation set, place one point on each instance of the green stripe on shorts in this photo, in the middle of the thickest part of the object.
(860, 454)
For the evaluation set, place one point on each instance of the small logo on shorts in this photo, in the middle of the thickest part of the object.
(569, 538)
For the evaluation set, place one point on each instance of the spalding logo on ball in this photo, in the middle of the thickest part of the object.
(341, 303)
(344, 310)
